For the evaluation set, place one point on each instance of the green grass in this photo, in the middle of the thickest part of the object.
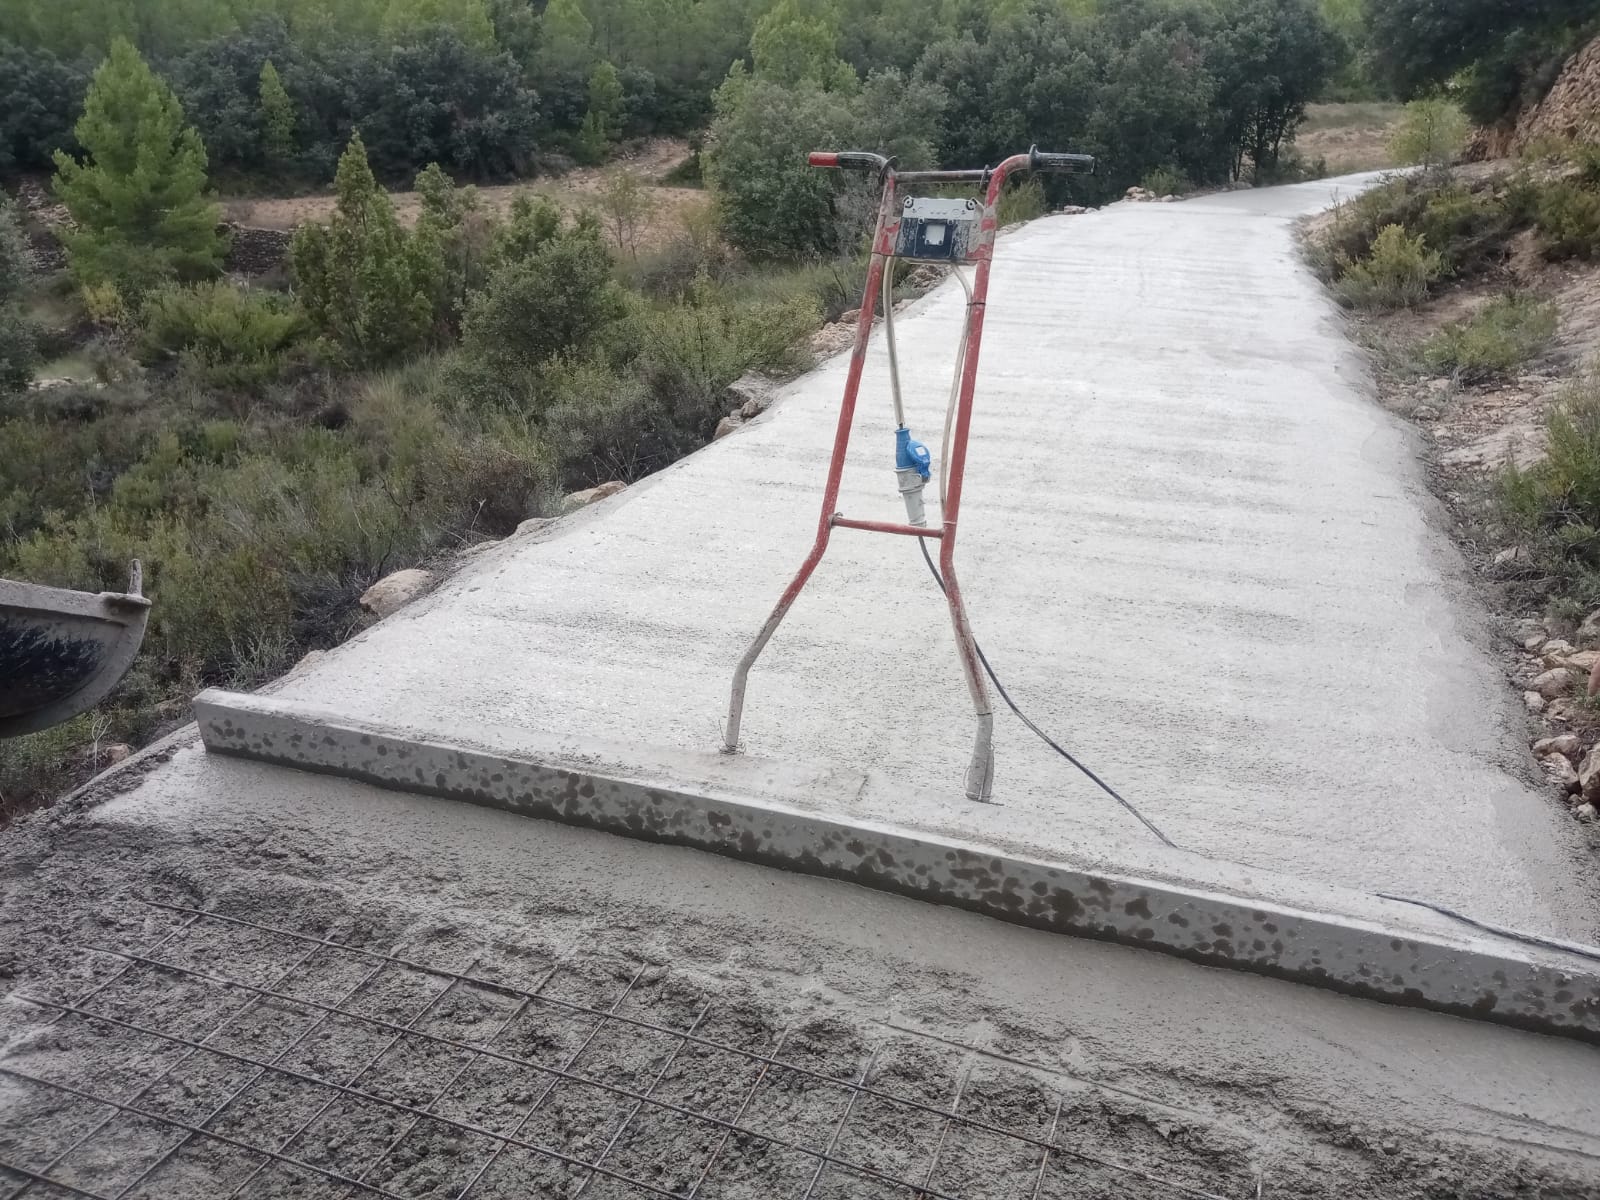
(1552, 508)
(1495, 340)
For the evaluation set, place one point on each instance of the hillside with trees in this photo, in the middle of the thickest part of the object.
(271, 438)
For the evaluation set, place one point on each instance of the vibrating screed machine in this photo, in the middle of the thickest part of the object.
(955, 232)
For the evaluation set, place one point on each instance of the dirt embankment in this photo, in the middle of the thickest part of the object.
(1569, 111)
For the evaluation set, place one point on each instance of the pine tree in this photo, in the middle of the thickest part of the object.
(16, 333)
(469, 18)
(565, 37)
(602, 124)
(277, 118)
(798, 42)
(367, 284)
(139, 195)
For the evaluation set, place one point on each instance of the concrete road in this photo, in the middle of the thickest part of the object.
(1193, 547)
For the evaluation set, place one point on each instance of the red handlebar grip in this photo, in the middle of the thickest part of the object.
(823, 158)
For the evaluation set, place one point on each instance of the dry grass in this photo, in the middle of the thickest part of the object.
(1350, 137)
(578, 189)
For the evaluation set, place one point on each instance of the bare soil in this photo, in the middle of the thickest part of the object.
(574, 190)
(1350, 137)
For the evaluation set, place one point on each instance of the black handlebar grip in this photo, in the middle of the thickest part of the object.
(860, 160)
(1080, 164)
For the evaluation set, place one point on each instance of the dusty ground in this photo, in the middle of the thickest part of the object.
(833, 983)
(1350, 137)
(576, 189)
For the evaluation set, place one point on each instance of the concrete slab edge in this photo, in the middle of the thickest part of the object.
(1490, 979)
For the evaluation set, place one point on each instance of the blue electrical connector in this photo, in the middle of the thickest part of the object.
(911, 455)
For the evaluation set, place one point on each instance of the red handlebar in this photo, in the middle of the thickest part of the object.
(1033, 160)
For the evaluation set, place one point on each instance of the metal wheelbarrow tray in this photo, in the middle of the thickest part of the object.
(62, 651)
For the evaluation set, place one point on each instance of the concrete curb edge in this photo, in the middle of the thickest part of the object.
(1486, 978)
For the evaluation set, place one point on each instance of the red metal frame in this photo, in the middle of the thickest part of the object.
(980, 771)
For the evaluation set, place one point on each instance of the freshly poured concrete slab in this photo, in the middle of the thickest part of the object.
(1192, 546)
(1368, 946)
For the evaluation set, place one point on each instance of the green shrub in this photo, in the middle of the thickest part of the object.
(370, 289)
(1023, 202)
(1499, 337)
(231, 337)
(1291, 167)
(1396, 274)
(18, 340)
(1568, 218)
(558, 299)
(606, 424)
(693, 350)
(1552, 508)
(1469, 228)
(1430, 132)
(533, 222)
(1165, 181)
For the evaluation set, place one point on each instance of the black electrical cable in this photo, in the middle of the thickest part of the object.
(1041, 734)
(1516, 935)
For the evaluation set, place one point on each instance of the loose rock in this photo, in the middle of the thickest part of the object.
(1553, 651)
(576, 500)
(1533, 701)
(726, 426)
(1588, 634)
(1589, 773)
(1562, 743)
(1511, 556)
(395, 591)
(1581, 661)
(1552, 683)
(1527, 628)
(751, 393)
(1558, 769)
(1585, 813)
(115, 752)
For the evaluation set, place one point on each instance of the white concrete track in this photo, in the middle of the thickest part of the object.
(1192, 546)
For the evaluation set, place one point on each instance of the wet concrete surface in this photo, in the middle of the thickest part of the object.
(1225, 1079)
(1192, 545)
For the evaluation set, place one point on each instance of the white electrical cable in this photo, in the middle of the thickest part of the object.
(955, 380)
(888, 333)
(955, 390)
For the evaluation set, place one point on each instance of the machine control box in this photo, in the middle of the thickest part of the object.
(933, 229)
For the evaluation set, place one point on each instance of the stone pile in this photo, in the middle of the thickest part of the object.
(1559, 672)
(1140, 196)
